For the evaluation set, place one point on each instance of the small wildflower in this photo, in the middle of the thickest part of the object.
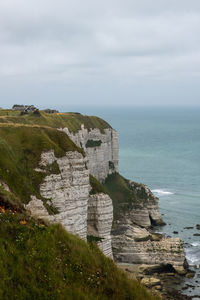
(23, 222)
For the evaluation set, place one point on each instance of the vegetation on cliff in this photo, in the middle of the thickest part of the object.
(46, 262)
(20, 154)
(72, 121)
(125, 194)
(97, 187)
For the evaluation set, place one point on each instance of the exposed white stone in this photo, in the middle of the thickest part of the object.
(37, 209)
(67, 191)
(47, 158)
(100, 217)
(103, 159)
(4, 186)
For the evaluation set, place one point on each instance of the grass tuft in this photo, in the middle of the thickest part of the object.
(97, 187)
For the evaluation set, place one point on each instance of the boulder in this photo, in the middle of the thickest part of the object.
(180, 270)
(198, 226)
(190, 274)
(150, 269)
(150, 282)
(156, 237)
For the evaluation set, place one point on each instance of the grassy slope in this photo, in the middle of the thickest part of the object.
(58, 120)
(124, 197)
(20, 153)
(97, 187)
(45, 262)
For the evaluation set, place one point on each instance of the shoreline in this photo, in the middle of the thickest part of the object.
(160, 283)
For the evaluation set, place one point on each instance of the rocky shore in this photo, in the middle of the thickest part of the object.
(161, 279)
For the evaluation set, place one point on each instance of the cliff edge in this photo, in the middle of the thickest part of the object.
(64, 169)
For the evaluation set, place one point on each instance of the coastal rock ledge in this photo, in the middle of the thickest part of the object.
(133, 238)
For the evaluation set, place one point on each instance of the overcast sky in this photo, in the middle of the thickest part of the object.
(108, 52)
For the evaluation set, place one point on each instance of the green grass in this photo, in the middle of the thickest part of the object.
(45, 262)
(97, 187)
(124, 196)
(57, 120)
(20, 154)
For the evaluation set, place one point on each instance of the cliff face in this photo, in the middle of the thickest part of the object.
(135, 210)
(101, 148)
(99, 222)
(53, 183)
(145, 211)
(135, 245)
(67, 191)
(135, 213)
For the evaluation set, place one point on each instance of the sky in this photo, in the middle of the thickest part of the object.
(106, 53)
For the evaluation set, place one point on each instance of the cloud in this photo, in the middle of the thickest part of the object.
(96, 43)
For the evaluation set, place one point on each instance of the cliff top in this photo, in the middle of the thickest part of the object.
(20, 153)
(72, 121)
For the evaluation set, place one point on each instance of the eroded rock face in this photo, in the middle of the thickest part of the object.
(146, 211)
(135, 245)
(132, 240)
(102, 156)
(37, 210)
(100, 217)
(66, 191)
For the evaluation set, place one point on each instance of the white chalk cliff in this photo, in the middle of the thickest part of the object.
(66, 191)
(82, 213)
(100, 217)
(102, 158)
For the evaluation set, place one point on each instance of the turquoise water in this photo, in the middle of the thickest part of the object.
(161, 148)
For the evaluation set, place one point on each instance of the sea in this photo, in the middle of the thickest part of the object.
(160, 147)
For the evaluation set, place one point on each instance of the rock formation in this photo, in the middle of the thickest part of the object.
(102, 155)
(133, 240)
(66, 191)
(133, 244)
(100, 217)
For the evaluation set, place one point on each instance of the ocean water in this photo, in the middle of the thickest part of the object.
(160, 147)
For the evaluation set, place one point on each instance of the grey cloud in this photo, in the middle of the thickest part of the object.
(95, 45)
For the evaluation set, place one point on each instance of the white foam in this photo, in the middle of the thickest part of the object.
(195, 244)
(193, 253)
(192, 260)
(162, 192)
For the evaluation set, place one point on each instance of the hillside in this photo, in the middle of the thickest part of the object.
(46, 262)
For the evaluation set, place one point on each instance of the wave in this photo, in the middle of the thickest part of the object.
(193, 253)
(195, 244)
(162, 192)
